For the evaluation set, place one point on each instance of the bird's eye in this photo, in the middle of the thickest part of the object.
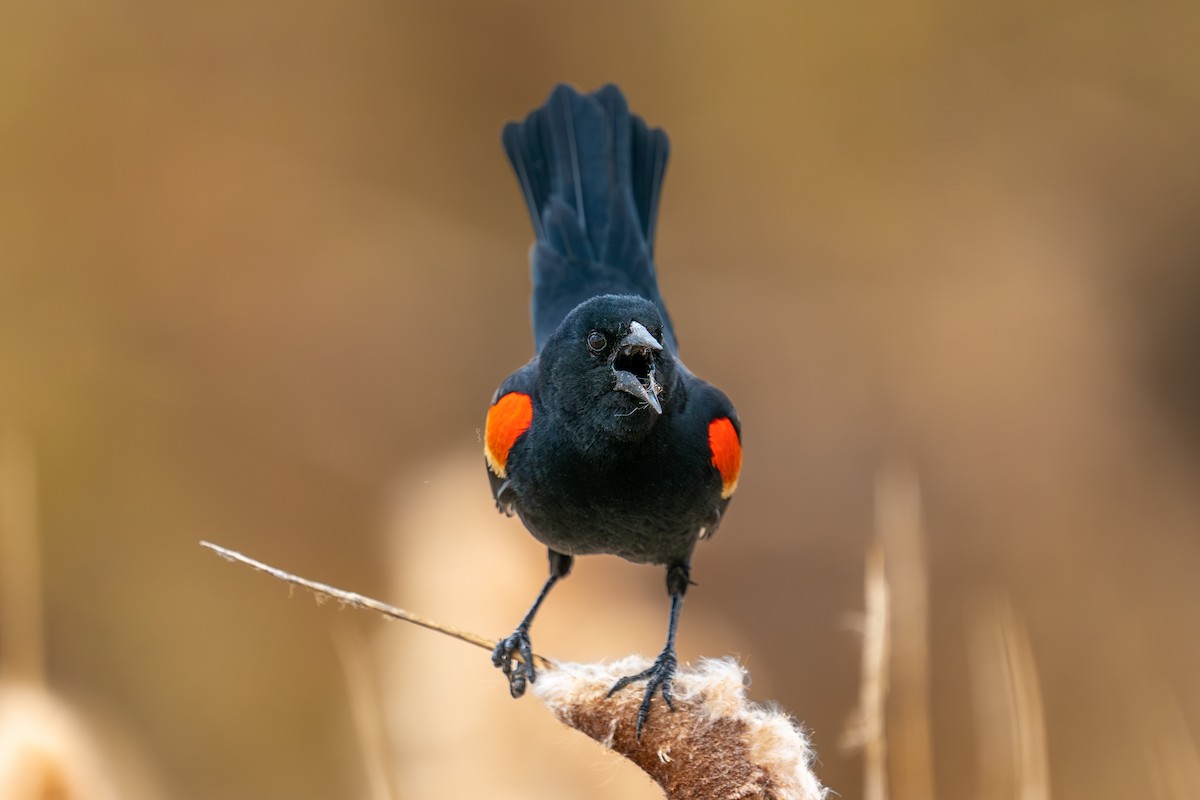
(596, 341)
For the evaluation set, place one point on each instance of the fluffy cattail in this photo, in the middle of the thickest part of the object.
(716, 744)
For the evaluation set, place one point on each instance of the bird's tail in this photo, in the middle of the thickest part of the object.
(592, 176)
(586, 164)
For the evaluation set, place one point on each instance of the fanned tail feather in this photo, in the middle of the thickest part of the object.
(592, 175)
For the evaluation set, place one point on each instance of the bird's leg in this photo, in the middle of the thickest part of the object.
(520, 672)
(658, 676)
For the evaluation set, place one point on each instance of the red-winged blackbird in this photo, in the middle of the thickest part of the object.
(604, 442)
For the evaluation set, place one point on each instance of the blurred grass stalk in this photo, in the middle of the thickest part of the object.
(365, 705)
(1170, 748)
(866, 728)
(45, 751)
(1008, 704)
(905, 719)
(894, 697)
(21, 646)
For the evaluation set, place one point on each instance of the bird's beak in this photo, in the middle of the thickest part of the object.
(639, 337)
(633, 366)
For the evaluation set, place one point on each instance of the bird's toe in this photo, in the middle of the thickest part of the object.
(514, 656)
(658, 679)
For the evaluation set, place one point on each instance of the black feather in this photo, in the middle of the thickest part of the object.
(592, 174)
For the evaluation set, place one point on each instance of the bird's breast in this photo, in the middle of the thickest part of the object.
(645, 501)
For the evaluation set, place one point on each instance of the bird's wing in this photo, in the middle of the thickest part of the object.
(724, 430)
(508, 417)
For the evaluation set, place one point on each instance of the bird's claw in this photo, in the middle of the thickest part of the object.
(514, 657)
(658, 678)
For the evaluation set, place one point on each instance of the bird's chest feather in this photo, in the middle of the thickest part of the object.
(645, 501)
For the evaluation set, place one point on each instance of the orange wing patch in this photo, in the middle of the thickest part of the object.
(726, 454)
(506, 420)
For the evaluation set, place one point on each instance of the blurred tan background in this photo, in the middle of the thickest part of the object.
(262, 265)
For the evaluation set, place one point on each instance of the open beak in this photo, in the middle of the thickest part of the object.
(634, 363)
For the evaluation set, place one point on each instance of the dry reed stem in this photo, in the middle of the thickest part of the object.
(365, 710)
(355, 600)
(21, 646)
(716, 744)
(45, 749)
(867, 728)
(909, 730)
(1170, 748)
(1033, 766)
(1008, 705)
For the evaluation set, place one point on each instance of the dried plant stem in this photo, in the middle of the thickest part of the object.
(910, 734)
(46, 750)
(868, 729)
(365, 708)
(20, 564)
(1172, 752)
(355, 600)
(1008, 703)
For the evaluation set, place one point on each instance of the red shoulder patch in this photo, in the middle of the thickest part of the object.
(726, 453)
(506, 420)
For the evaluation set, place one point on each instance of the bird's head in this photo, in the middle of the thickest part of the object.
(607, 367)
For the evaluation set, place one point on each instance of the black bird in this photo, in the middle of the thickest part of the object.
(604, 442)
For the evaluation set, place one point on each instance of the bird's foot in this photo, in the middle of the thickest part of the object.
(658, 679)
(514, 657)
